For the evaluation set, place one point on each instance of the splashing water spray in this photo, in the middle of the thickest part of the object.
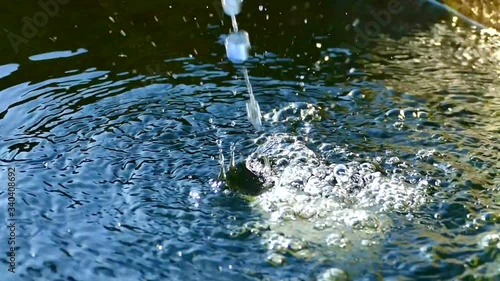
(237, 49)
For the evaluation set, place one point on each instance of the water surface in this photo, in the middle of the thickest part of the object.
(114, 116)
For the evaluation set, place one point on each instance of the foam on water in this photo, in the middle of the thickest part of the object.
(307, 198)
(325, 198)
(303, 185)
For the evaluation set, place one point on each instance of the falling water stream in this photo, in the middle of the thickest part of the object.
(237, 46)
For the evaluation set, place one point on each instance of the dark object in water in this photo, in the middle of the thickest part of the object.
(287, 161)
(240, 179)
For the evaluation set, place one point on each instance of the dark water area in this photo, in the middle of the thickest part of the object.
(114, 115)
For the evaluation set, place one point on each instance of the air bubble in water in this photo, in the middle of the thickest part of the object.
(341, 173)
(334, 274)
(276, 259)
(356, 93)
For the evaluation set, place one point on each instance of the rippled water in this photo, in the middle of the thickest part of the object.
(115, 116)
